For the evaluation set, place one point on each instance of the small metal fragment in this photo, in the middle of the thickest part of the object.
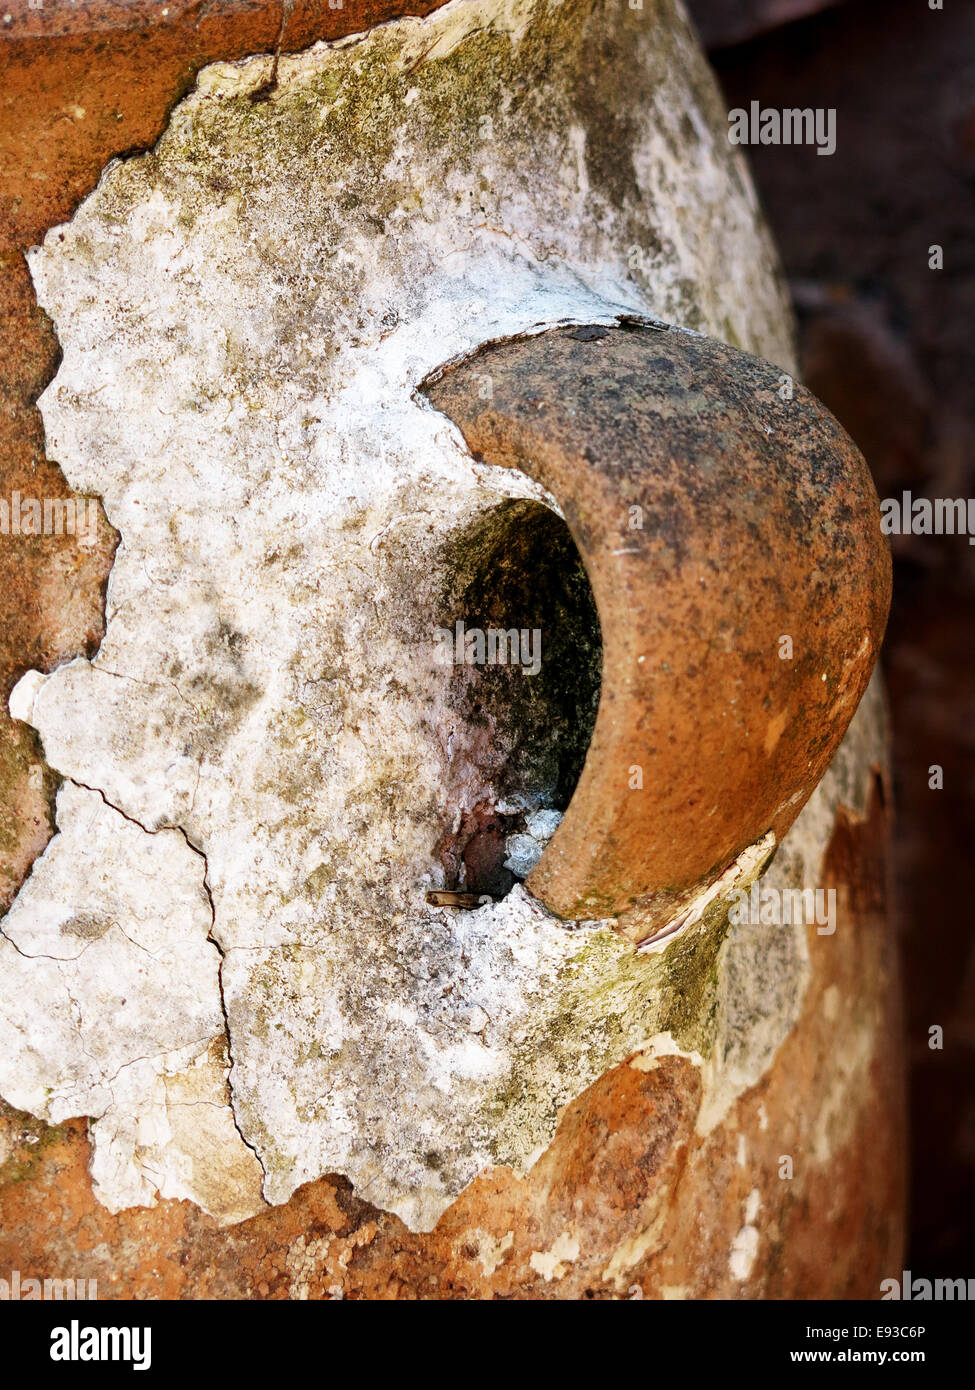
(442, 897)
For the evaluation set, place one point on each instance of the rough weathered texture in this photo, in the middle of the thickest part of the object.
(244, 315)
(720, 511)
(136, 1032)
(636, 206)
(888, 346)
(80, 85)
(635, 1197)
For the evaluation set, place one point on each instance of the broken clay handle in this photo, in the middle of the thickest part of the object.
(731, 534)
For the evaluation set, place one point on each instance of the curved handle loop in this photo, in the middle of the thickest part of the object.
(731, 534)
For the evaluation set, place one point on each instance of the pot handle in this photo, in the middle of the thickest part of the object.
(731, 534)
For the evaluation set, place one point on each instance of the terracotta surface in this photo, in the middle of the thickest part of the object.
(77, 89)
(887, 344)
(757, 519)
(628, 1184)
(635, 1200)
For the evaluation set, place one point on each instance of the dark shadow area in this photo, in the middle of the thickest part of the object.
(886, 342)
(524, 681)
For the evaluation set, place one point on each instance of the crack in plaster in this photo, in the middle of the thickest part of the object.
(241, 355)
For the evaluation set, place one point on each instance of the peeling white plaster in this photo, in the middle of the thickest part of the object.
(554, 1262)
(744, 1248)
(305, 1261)
(491, 1250)
(245, 314)
(742, 871)
(110, 1007)
(635, 1247)
(765, 970)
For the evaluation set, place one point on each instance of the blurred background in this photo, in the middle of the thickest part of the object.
(887, 344)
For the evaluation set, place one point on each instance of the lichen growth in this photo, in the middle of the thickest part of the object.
(246, 313)
(27, 1140)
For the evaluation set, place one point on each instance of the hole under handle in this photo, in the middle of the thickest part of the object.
(731, 534)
